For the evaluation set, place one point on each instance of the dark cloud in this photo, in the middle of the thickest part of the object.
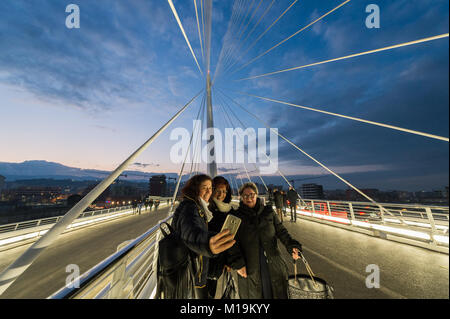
(142, 165)
(117, 57)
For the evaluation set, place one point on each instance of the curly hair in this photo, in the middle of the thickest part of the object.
(219, 180)
(192, 188)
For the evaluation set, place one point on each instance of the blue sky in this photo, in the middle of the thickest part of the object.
(89, 97)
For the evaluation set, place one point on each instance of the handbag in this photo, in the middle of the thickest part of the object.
(230, 291)
(308, 286)
(175, 268)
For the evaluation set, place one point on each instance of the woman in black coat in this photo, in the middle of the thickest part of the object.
(220, 206)
(190, 222)
(256, 254)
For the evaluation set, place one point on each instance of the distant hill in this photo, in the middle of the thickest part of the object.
(46, 170)
(50, 170)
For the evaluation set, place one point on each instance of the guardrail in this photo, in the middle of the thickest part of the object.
(15, 234)
(425, 226)
(131, 271)
(12, 235)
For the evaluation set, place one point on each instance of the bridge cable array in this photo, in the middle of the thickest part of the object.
(230, 65)
(180, 175)
(436, 37)
(267, 157)
(352, 118)
(226, 116)
(198, 28)
(308, 155)
(262, 34)
(184, 33)
(226, 46)
(234, 46)
(291, 36)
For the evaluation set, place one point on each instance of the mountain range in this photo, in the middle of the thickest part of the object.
(50, 170)
(39, 169)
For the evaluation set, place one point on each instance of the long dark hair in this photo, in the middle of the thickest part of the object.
(192, 188)
(219, 180)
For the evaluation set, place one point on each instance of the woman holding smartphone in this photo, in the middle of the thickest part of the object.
(266, 273)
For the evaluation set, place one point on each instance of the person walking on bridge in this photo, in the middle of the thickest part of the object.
(278, 199)
(256, 256)
(150, 203)
(292, 198)
(283, 193)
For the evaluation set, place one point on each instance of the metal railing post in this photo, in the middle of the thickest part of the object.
(381, 214)
(313, 208)
(329, 209)
(118, 282)
(352, 213)
(432, 224)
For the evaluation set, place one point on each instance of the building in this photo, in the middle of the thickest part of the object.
(311, 191)
(34, 195)
(2, 186)
(158, 186)
(2, 183)
(353, 195)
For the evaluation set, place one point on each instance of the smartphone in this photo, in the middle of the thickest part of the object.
(232, 223)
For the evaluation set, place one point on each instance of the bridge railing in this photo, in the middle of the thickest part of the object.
(426, 224)
(14, 234)
(394, 213)
(129, 273)
(26, 231)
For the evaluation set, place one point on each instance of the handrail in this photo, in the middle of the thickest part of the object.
(49, 220)
(102, 270)
(425, 225)
(37, 222)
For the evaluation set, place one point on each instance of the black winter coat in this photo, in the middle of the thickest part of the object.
(218, 218)
(189, 222)
(261, 226)
(278, 199)
(292, 197)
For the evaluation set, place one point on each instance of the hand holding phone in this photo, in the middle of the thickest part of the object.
(231, 223)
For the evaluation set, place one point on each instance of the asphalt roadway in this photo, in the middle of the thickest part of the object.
(339, 256)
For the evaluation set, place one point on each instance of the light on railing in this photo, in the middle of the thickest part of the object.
(406, 232)
(18, 238)
(441, 239)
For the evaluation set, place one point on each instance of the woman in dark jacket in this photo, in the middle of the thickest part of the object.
(265, 273)
(190, 222)
(220, 206)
